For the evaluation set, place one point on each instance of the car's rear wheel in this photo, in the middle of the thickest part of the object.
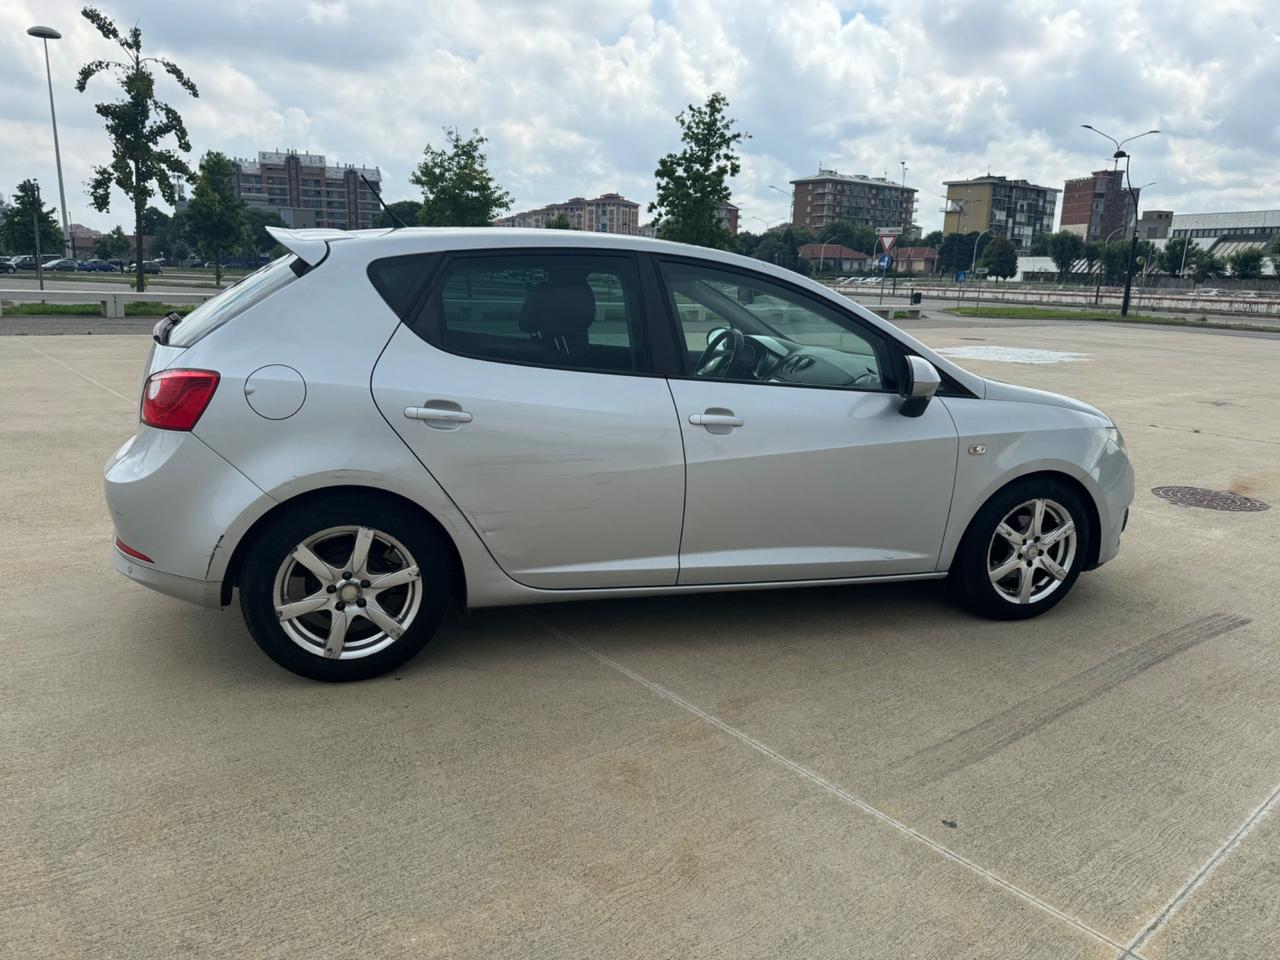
(344, 589)
(1024, 549)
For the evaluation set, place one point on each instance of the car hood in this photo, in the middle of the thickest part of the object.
(996, 390)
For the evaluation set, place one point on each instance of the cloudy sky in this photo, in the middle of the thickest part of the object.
(579, 96)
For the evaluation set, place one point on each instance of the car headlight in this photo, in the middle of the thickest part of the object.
(1114, 436)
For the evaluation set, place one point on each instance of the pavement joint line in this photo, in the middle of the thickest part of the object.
(78, 373)
(1197, 879)
(1129, 953)
(1209, 433)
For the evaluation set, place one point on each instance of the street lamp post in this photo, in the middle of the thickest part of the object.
(1121, 153)
(45, 34)
(35, 232)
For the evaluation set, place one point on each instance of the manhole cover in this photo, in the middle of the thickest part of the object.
(1210, 499)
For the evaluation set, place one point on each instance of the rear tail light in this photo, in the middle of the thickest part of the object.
(175, 399)
(130, 552)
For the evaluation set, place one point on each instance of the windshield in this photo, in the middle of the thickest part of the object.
(235, 300)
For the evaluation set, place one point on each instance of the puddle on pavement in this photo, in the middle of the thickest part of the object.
(1012, 354)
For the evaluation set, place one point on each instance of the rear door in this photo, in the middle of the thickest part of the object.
(522, 382)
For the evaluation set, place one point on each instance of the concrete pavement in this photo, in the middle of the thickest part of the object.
(861, 772)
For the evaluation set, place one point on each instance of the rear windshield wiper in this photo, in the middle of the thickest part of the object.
(160, 332)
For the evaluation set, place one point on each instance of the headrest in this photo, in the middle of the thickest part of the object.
(561, 307)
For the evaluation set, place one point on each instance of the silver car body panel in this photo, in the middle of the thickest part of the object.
(595, 529)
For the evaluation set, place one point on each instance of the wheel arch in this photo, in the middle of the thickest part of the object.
(1087, 496)
(231, 576)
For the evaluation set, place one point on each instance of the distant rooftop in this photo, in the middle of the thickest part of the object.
(823, 174)
(1001, 181)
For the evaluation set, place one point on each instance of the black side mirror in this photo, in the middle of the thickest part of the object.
(922, 383)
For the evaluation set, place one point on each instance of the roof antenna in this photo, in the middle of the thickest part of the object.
(382, 203)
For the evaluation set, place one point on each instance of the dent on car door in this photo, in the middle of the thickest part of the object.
(522, 387)
(799, 464)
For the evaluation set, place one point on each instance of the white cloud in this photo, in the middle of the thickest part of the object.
(578, 96)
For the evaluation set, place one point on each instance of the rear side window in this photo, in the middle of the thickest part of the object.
(572, 311)
(235, 300)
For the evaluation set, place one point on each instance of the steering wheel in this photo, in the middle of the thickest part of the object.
(723, 350)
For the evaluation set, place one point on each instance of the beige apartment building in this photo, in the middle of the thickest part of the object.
(1014, 209)
(607, 213)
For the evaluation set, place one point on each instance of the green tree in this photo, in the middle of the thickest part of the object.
(957, 250)
(1114, 256)
(1065, 248)
(1040, 245)
(17, 232)
(692, 184)
(406, 210)
(112, 246)
(846, 234)
(1177, 251)
(1246, 264)
(1207, 267)
(170, 237)
(1000, 257)
(257, 241)
(216, 214)
(138, 124)
(1273, 248)
(154, 221)
(457, 188)
(559, 222)
(1092, 254)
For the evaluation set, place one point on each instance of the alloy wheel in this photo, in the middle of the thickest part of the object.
(1032, 551)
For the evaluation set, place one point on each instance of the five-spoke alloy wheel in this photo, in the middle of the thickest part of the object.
(1023, 550)
(345, 589)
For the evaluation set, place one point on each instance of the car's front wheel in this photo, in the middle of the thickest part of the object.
(345, 588)
(1023, 550)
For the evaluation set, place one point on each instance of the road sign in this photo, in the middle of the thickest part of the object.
(884, 261)
(962, 276)
(980, 271)
(887, 240)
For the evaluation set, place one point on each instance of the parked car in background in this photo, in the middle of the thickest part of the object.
(148, 266)
(98, 266)
(117, 264)
(24, 262)
(515, 417)
(6, 265)
(63, 265)
(193, 262)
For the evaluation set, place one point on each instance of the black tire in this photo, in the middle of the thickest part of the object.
(970, 569)
(292, 527)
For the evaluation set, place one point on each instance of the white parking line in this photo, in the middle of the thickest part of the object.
(96, 383)
(839, 792)
(1201, 875)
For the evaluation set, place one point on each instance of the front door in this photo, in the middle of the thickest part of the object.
(524, 389)
(799, 465)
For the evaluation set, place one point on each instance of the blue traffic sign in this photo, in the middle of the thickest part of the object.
(962, 276)
(884, 262)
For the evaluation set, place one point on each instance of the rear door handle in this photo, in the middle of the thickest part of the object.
(716, 420)
(441, 417)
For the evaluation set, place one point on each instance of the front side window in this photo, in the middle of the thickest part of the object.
(746, 328)
(563, 310)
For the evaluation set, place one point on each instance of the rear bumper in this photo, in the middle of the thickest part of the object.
(174, 500)
(206, 593)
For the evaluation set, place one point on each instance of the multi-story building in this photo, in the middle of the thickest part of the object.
(1097, 206)
(1155, 224)
(607, 213)
(727, 217)
(830, 197)
(1014, 209)
(1223, 234)
(308, 192)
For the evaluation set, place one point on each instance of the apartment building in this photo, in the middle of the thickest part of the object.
(1014, 209)
(832, 197)
(306, 191)
(607, 213)
(1098, 206)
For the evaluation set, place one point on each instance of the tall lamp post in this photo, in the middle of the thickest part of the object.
(1121, 153)
(45, 34)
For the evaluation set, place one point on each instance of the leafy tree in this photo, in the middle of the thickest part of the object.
(406, 210)
(1040, 245)
(1092, 253)
(693, 183)
(1175, 252)
(783, 248)
(257, 241)
(1246, 264)
(748, 241)
(1273, 248)
(931, 239)
(154, 221)
(1114, 256)
(846, 234)
(1065, 248)
(1207, 266)
(559, 222)
(112, 246)
(457, 188)
(216, 214)
(17, 233)
(1000, 257)
(957, 249)
(170, 237)
(137, 124)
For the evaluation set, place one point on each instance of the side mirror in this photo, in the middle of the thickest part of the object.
(922, 383)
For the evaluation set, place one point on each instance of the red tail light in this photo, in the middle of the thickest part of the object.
(175, 399)
(129, 551)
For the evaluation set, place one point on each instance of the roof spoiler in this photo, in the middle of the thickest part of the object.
(309, 246)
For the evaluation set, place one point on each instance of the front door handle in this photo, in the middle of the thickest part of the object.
(438, 415)
(716, 420)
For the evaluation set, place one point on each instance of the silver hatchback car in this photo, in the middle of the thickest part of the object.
(384, 422)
